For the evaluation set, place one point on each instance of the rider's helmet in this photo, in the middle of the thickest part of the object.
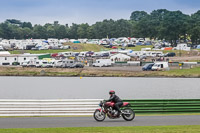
(111, 92)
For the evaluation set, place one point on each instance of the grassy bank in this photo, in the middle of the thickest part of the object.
(74, 47)
(138, 129)
(87, 72)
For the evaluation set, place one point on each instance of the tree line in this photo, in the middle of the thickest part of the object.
(159, 24)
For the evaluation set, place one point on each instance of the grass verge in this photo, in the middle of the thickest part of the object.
(87, 72)
(137, 129)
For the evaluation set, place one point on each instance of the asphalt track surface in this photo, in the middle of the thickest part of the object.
(53, 122)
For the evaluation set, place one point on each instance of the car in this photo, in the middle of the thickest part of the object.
(108, 46)
(89, 53)
(130, 45)
(105, 55)
(77, 65)
(171, 54)
(147, 67)
(114, 47)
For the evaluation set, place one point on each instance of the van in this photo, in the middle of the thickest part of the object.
(159, 66)
(102, 63)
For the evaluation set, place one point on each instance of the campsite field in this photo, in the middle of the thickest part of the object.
(98, 72)
(137, 129)
(76, 48)
(93, 47)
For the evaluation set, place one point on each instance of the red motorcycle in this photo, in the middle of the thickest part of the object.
(107, 108)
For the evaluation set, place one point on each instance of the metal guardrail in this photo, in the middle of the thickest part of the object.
(165, 106)
(48, 107)
(10, 107)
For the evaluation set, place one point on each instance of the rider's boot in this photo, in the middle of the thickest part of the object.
(119, 113)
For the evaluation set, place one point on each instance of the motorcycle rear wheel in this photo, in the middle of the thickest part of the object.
(128, 114)
(99, 116)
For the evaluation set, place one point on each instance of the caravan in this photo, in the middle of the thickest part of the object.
(102, 63)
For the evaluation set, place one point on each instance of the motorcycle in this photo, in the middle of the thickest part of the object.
(107, 108)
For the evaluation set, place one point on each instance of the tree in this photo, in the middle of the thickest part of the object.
(39, 32)
(174, 26)
(61, 32)
(6, 30)
(138, 15)
(27, 33)
(73, 31)
(27, 24)
(195, 27)
(82, 31)
(14, 21)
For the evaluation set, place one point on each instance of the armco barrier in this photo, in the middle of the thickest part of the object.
(165, 106)
(88, 106)
(48, 107)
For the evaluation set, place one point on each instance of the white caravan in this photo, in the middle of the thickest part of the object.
(102, 63)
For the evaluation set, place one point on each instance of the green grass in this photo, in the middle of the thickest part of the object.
(194, 72)
(137, 129)
(80, 47)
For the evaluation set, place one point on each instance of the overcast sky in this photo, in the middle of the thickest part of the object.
(86, 11)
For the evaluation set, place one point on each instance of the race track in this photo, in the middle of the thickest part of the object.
(51, 122)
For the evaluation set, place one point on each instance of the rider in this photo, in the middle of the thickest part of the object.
(118, 102)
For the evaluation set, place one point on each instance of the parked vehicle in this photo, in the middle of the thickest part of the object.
(58, 64)
(158, 66)
(130, 45)
(89, 53)
(147, 67)
(108, 46)
(102, 63)
(107, 108)
(1, 48)
(77, 65)
(105, 55)
(171, 54)
(44, 63)
(67, 63)
(25, 64)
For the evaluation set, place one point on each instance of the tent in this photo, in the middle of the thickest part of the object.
(198, 46)
(120, 57)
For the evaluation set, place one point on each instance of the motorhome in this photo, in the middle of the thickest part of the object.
(67, 63)
(160, 66)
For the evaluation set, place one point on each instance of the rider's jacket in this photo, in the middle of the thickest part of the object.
(114, 98)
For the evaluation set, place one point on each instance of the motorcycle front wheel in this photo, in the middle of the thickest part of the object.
(128, 114)
(99, 116)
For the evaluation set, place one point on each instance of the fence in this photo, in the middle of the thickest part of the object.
(166, 106)
(88, 106)
(48, 107)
